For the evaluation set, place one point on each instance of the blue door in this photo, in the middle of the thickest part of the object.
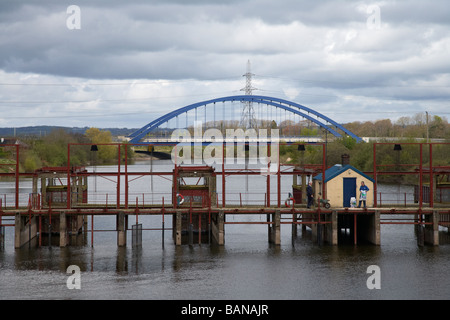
(349, 190)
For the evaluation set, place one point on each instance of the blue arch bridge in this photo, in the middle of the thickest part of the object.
(273, 111)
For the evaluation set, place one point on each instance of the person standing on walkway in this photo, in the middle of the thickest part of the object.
(363, 194)
(310, 194)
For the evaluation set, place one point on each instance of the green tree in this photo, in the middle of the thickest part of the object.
(53, 149)
(106, 153)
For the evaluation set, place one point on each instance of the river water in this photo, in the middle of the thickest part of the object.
(247, 267)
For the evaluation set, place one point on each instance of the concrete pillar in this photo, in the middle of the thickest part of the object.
(218, 228)
(121, 231)
(63, 230)
(177, 226)
(294, 226)
(2, 237)
(313, 227)
(25, 230)
(18, 231)
(375, 236)
(431, 235)
(331, 229)
(275, 231)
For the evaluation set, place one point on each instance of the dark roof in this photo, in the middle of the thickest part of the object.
(4, 141)
(337, 169)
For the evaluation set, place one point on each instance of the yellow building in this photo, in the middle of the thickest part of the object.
(342, 183)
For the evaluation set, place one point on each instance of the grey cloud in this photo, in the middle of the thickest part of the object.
(322, 48)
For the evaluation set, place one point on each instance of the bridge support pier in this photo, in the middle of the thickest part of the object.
(294, 226)
(25, 229)
(177, 227)
(431, 231)
(375, 235)
(330, 230)
(121, 230)
(218, 228)
(274, 229)
(63, 239)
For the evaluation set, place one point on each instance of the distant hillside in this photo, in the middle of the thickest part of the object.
(41, 131)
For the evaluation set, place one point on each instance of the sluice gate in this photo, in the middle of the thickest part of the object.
(59, 213)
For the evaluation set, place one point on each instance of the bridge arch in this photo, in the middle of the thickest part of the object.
(289, 106)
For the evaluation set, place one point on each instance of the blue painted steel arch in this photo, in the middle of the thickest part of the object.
(276, 102)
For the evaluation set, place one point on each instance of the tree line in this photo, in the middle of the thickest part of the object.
(420, 125)
(52, 149)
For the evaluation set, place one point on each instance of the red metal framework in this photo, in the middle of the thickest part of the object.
(314, 216)
(418, 169)
(16, 172)
(317, 168)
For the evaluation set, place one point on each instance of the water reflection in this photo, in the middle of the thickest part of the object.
(298, 269)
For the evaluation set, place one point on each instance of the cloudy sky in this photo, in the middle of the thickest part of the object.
(124, 63)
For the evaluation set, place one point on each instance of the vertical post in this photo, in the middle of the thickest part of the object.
(268, 173)
(177, 227)
(68, 178)
(355, 222)
(29, 229)
(121, 230)
(50, 225)
(92, 230)
(294, 223)
(420, 178)
(431, 177)
(137, 210)
(324, 168)
(279, 180)
(223, 174)
(126, 178)
(199, 228)
(2, 229)
(375, 174)
(376, 228)
(175, 186)
(274, 228)
(209, 223)
(162, 211)
(435, 228)
(40, 230)
(17, 177)
(118, 179)
(334, 228)
(18, 231)
(62, 230)
(191, 226)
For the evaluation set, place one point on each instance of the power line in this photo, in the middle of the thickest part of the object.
(79, 116)
(109, 100)
(359, 84)
(114, 84)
